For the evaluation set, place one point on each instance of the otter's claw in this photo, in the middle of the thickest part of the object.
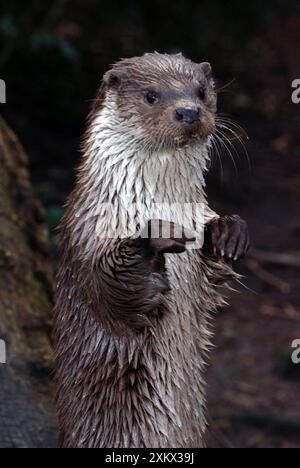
(227, 237)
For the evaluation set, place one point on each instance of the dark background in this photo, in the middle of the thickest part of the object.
(52, 57)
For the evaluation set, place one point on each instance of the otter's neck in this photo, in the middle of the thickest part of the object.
(120, 170)
(118, 158)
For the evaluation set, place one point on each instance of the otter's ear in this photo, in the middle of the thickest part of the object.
(112, 79)
(206, 69)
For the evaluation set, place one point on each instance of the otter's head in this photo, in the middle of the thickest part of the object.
(169, 100)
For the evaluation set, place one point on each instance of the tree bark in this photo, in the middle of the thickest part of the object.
(26, 409)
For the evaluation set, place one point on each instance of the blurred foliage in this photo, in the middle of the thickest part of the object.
(54, 215)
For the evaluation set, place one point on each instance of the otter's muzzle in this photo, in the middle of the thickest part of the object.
(188, 115)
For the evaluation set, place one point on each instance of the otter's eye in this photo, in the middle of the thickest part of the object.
(152, 97)
(201, 92)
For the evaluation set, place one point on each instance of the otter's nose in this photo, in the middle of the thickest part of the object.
(187, 115)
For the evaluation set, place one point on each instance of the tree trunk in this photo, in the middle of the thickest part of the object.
(26, 409)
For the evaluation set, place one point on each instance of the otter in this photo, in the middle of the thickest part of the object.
(133, 311)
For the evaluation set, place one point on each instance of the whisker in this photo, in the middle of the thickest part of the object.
(216, 149)
(229, 120)
(233, 128)
(219, 90)
(222, 138)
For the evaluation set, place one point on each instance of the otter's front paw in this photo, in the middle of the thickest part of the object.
(227, 237)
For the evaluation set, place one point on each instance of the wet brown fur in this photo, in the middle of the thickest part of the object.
(130, 356)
